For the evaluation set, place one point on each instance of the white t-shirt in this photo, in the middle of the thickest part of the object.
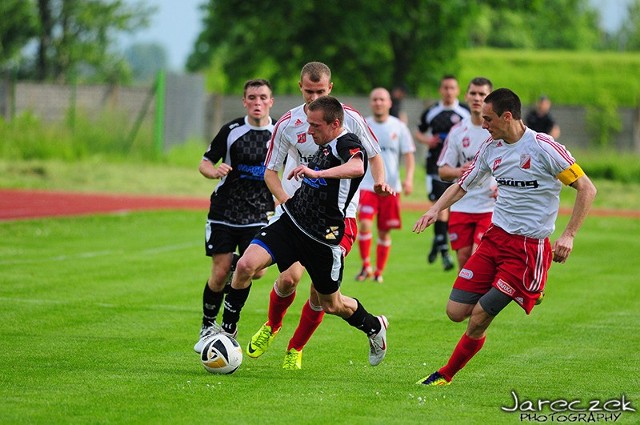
(461, 145)
(395, 139)
(290, 140)
(528, 187)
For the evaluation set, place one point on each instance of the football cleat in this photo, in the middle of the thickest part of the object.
(260, 341)
(378, 278)
(435, 379)
(447, 262)
(539, 300)
(205, 332)
(433, 255)
(365, 273)
(292, 360)
(378, 343)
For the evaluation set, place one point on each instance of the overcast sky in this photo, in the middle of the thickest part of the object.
(177, 24)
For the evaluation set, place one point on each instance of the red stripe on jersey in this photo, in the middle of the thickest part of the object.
(285, 117)
(541, 137)
(355, 111)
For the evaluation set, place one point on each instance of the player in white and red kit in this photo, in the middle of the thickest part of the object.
(470, 217)
(515, 254)
(395, 142)
(291, 142)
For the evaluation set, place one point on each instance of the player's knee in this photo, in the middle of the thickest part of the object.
(287, 283)
(457, 315)
(246, 269)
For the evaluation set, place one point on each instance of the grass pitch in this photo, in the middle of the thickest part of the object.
(99, 316)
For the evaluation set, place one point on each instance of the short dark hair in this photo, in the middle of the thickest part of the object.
(331, 108)
(481, 81)
(505, 100)
(257, 82)
(315, 71)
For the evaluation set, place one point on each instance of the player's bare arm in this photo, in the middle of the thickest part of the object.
(377, 172)
(563, 246)
(449, 173)
(350, 169)
(210, 171)
(409, 165)
(274, 184)
(449, 197)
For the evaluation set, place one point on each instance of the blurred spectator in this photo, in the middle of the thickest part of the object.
(540, 120)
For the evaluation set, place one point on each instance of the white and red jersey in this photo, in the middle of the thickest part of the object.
(528, 187)
(291, 141)
(395, 140)
(460, 146)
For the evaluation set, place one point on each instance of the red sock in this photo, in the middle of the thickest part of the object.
(309, 322)
(382, 255)
(364, 242)
(278, 308)
(464, 351)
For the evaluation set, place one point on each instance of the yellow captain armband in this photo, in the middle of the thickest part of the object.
(571, 174)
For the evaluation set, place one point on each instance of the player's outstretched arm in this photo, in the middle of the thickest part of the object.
(210, 171)
(274, 184)
(563, 246)
(451, 195)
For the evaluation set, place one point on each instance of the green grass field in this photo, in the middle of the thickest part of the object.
(99, 315)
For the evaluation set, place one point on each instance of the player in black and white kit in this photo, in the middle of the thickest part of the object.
(241, 201)
(433, 129)
(312, 225)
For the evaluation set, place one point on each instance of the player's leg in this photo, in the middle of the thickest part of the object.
(440, 227)
(367, 210)
(310, 318)
(254, 259)
(312, 312)
(219, 245)
(354, 313)
(388, 218)
(280, 298)
(473, 339)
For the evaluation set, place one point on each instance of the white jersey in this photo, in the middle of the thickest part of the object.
(291, 141)
(528, 187)
(395, 139)
(460, 146)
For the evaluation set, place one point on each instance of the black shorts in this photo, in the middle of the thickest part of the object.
(436, 187)
(287, 244)
(222, 238)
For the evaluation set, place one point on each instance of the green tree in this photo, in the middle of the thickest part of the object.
(17, 26)
(77, 38)
(365, 43)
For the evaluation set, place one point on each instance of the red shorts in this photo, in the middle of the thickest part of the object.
(515, 265)
(466, 229)
(349, 236)
(386, 207)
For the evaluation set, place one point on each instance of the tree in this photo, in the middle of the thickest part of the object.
(17, 26)
(365, 43)
(76, 38)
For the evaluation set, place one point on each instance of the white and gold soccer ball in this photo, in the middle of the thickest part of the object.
(221, 354)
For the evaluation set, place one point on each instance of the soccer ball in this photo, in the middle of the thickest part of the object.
(221, 354)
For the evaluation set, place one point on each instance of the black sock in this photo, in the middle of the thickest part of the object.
(211, 303)
(364, 321)
(442, 240)
(233, 304)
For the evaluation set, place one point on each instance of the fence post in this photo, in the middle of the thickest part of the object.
(159, 119)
